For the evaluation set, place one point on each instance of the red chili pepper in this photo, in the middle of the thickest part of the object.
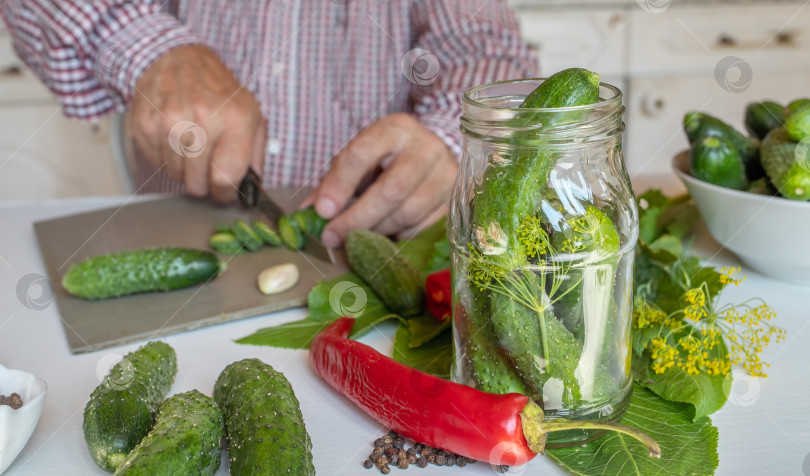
(439, 294)
(499, 429)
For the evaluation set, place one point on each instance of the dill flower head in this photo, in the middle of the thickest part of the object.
(693, 338)
(533, 236)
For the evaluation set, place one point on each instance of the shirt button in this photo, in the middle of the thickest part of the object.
(278, 68)
(273, 147)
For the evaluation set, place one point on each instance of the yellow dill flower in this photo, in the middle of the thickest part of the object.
(645, 315)
(570, 246)
(533, 236)
(731, 275)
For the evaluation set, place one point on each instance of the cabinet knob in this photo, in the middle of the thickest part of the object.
(652, 104)
(11, 71)
(726, 40)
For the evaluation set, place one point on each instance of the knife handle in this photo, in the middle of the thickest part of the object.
(249, 188)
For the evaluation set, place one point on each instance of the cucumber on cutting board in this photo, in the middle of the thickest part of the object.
(309, 221)
(186, 439)
(263, 421)
(290, 232)
(121, 409)
(246, 235)
(377, 260)
(130, 272)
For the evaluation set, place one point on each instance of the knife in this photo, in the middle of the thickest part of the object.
(253, 195)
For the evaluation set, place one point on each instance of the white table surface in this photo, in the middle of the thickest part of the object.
(764, 429)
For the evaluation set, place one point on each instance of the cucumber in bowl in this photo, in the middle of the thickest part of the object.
(716, 160)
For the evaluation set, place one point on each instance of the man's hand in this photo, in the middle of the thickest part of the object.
(191, 83)
(412, 191)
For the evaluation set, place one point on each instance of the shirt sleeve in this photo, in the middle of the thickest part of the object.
(91, 53)
(460, 44)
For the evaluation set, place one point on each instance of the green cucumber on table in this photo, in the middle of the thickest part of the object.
(379, 263)
(121, 409)
(130, 272)
(263, 421)
(185, 440)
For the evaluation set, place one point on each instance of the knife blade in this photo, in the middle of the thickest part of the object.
(253, 195)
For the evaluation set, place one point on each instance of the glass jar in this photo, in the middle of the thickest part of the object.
(543, 226)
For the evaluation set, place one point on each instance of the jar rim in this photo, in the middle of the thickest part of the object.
(467, 98)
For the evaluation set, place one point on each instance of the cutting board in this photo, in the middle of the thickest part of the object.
(176, 221)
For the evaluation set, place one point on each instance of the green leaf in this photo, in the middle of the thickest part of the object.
(419, 250)
(423, 329)
(346, 295)
(328, 300)
(660, 215)
(704, 392)
(441, 256)
(433, 357)
(292, 335)
(687, 447)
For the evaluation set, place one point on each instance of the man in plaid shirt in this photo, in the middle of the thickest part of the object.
(354, 96)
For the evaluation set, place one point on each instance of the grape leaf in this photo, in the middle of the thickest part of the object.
(420, 249)
(433, 357)
(687, 446)
(704, 392)
(441, 256)
(423, 329)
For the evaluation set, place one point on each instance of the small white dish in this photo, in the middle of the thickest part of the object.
(768, 234)
(16, 426)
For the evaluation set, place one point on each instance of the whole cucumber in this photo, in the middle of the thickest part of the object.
(377, 260)
(186, 439)
(787, 172)
(263, 421)
(121, 409)
(715, 160)
(761, 117)
(698, 125)
(797, 123)
(130, 272)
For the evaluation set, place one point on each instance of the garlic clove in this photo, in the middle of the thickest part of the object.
(277, 279)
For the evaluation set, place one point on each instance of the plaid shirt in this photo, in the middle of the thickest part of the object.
(321, 69)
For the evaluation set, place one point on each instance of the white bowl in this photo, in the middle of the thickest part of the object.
(16, 426)
(768, 234)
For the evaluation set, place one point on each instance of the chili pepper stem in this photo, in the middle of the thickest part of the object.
(536, 429)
